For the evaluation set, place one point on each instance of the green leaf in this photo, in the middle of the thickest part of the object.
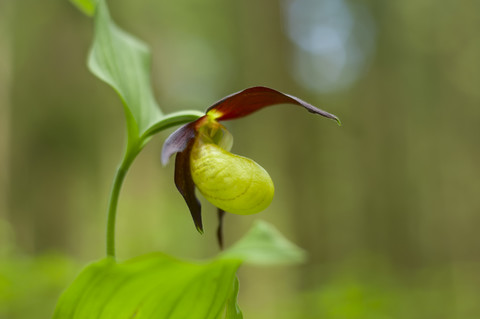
(233, 311)
(123, 61)
(150, 286)
(265, 245)
(157, 286)
(87, 6)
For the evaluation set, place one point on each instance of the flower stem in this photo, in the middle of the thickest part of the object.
(113, 202)
(134, 146)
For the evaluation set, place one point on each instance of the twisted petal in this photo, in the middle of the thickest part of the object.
(186, 186)
(221, 215)
(245, 102)
(178, 140)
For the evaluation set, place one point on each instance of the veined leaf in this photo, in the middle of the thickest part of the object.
(150, 286)
(157, 286)
(123, 61)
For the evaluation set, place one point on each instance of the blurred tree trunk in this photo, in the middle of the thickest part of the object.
(264, 48)
(5, 74)
(55, 132)
(265, 59)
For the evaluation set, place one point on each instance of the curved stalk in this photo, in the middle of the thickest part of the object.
(134, 146)
(113, 201)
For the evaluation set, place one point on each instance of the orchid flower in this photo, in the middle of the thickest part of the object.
(232, 183)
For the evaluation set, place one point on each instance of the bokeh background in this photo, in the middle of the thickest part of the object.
(387, 205)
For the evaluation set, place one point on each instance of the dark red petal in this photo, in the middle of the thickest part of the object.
(253, 99)
(178, 141)
(186, 186)
(221, 215)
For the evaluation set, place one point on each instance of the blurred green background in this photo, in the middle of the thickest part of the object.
(387, 205)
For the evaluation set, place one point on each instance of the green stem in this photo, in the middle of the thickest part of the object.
(134, 146)
(113, 202)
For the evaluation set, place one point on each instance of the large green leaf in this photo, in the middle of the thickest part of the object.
(150, 286)
(123, 61)
(159, 286)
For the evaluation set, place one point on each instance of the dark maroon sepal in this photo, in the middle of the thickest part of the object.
(186, 186)
(221, 215)
(255, 98)
(178, 141)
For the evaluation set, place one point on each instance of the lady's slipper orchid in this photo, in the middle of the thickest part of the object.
(232, 183)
